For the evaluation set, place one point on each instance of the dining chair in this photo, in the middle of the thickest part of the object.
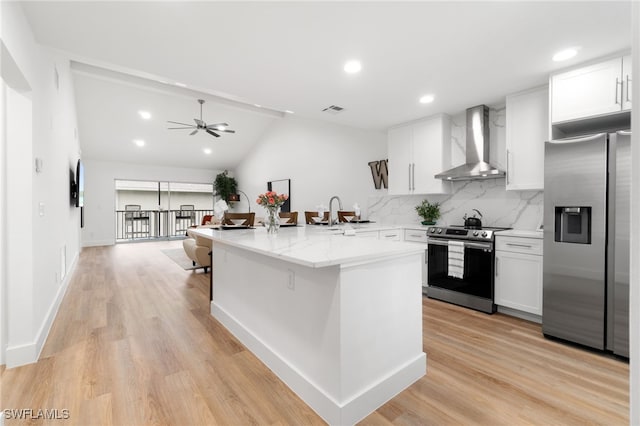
(249, 218)
(343, 214)
(292, 217)
(309, 215)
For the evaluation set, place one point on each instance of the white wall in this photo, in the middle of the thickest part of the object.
(321, 159)
(36, 242)
(100, 201)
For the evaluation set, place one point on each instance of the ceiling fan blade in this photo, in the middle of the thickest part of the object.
(194, 132)
(228, 131)
(214, 126)
(212, 133)
(176, 128)
(177, 122)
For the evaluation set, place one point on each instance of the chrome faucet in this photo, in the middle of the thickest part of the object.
(335, 197)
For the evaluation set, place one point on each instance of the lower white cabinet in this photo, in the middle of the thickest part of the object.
(518, 274)
(420, 236)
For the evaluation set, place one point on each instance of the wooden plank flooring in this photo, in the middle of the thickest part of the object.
(134, 344)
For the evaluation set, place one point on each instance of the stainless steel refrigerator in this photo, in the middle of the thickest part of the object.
(587, 190)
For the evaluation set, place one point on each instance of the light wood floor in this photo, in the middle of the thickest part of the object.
(134, 344)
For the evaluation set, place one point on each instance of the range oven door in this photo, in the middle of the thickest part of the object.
(475, 288)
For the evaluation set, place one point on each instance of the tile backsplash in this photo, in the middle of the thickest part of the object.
(499, 207)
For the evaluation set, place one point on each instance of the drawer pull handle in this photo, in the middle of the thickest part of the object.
(519, 245)
(391, 235)
(416, 235)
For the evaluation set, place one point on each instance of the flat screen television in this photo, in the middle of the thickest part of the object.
(80, 184)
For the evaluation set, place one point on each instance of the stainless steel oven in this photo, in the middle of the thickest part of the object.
(469, 281)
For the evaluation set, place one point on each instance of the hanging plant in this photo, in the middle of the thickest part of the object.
(226, 186)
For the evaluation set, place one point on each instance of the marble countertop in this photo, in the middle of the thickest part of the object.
(313, 246)
(519, 233)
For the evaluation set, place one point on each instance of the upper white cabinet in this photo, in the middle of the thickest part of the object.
(626, 83)
(597, 89)
(418, 151)
(527, 130)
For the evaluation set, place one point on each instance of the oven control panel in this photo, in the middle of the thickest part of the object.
(460, 233)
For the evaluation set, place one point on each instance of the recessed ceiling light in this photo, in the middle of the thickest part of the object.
(352, 67)
(565, 54)
(207, 151)
(138, 142)
(257, 105)
(289, 112)
(427, 99)
(181, 84)
(146, 115)
(221, 127)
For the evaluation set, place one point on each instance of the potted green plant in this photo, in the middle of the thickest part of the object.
(226, 186)
(430, 212)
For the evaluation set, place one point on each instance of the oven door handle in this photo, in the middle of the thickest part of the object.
(467, 244)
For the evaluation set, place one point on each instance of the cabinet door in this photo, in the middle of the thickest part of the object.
(626, 82)
(399, 141)
(431, 155)
(518, 281)
(587, 91)
(527, 130)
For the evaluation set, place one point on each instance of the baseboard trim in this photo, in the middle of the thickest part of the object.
(30, 352)
(98, 243)
(520, 314)
(333, 412)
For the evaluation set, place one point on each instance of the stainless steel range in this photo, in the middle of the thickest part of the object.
(461, 265)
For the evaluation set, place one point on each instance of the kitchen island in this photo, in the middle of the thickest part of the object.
(338, 318)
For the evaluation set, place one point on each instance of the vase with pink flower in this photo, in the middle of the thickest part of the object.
(272, 202)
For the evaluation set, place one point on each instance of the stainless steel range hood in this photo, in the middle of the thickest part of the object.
(477, 154)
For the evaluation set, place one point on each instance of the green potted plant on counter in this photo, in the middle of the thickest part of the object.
(226, 187)
(430, 212)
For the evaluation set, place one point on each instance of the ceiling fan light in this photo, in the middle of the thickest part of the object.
(221, 127)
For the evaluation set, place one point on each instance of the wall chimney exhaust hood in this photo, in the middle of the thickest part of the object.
(477, 154)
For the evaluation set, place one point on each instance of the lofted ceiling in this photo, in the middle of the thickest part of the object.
(290, 56)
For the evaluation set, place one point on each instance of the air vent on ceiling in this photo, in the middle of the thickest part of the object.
(333, 109)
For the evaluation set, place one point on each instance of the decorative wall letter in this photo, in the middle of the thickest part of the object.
(379, 173)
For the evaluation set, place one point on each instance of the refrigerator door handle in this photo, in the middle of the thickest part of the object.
(624, 132)
(578, 139)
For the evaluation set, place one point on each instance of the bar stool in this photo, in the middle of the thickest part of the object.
(136, 221)
(185, 218)
(309, 215)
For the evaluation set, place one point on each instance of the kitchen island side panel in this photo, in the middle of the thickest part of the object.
(345, 338)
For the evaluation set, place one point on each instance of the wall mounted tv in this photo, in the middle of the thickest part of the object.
(76, 181)
(80, 184)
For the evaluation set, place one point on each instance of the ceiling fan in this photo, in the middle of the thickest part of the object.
(212, 129)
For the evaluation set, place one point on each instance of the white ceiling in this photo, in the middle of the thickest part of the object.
(289, 56)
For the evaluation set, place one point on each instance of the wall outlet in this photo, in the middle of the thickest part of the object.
(291, 284)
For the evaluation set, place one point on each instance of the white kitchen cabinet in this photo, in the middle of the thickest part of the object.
(518, 274)
(527, 130)
(597, 89)
(417, 152)
(420, 236)
(626, 83)
(391, 235)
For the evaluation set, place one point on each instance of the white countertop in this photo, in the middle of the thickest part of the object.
(312, 246)
(519, 233)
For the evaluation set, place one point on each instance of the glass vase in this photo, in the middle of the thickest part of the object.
(272, 221)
